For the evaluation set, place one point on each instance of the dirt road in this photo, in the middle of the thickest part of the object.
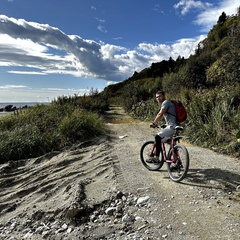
(100, 190)
(203, 206)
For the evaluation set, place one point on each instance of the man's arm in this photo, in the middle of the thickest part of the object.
(159, 116)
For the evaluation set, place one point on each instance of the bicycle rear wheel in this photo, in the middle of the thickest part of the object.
(177, 171)
(150, 161)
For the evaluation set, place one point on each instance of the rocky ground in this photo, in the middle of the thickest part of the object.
(100, 190)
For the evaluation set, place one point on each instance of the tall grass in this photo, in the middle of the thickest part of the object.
(214, 121)
(43, 128)
(93, 102)
(213, 117)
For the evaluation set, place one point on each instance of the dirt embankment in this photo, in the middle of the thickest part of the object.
(100, 190)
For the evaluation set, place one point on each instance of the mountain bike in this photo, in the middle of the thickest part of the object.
(176, 157)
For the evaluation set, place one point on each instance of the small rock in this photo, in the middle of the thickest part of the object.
(128, 218)
(64, 226)
(142, 200)
(169, 227)
(45, 234)
(28, 235)
(121, 137)
(124, 198)
(109, 211)
(119, 195)
(139, 219)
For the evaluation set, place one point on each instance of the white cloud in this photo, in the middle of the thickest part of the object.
(47, 50)
(117, 38)
(20, 93)
(101, 26)
(27, 72)
(157, 7)
(108, 51)
(183, 47)
(209, 17)
(12, 86)
(208, 13)
(186, 6)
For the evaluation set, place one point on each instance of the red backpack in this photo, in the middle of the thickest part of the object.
(180, 110)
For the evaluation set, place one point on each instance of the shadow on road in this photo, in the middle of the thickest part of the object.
(214, 178)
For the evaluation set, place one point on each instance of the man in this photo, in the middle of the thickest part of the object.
(168, 111)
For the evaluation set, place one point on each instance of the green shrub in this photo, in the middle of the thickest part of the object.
(43, 128)
(213, 120)
(94, 102)
(81, 124)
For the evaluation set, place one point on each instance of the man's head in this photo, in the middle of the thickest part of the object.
(160, 96)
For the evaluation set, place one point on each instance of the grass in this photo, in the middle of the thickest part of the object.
(213, 118)
(44, 128)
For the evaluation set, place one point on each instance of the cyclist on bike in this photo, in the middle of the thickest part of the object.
(168, 111)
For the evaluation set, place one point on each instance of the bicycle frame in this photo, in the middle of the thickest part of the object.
(172, 142)
(164, 153)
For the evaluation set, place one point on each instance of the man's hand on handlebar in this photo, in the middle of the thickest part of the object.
(153, 125)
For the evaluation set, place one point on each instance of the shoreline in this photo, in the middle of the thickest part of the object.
(2, 114)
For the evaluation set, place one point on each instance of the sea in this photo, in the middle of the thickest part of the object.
(18, 105)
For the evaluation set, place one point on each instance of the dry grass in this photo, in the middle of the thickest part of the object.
(122, 121)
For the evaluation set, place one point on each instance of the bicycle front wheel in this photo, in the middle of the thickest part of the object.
(177, 170)
(148, 157)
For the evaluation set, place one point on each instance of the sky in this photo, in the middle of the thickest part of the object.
(52, 48)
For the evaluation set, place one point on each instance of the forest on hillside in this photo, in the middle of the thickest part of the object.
(208, 83)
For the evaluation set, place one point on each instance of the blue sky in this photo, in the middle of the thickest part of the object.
(66, 47)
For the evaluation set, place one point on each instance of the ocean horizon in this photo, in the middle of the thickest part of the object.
(20, 104)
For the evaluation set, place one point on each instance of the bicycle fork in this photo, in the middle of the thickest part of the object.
(152, 153)
(163, 149)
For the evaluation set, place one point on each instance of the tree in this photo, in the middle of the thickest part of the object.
(222, 18)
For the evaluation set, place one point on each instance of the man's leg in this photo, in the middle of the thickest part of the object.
(158, 149)
(166, 132)
(158, 146)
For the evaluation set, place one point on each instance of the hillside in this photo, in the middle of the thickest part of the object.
(208, 83)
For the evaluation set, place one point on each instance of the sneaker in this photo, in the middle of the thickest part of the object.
(176, 166)
(153, 160)
(173, 167)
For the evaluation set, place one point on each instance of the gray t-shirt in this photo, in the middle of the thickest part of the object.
(170, 115)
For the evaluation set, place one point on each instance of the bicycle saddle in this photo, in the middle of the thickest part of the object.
(178, 128)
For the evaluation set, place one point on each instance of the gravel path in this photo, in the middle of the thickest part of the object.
(205, 205)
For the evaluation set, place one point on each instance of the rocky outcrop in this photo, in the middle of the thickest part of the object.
(10, 108)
